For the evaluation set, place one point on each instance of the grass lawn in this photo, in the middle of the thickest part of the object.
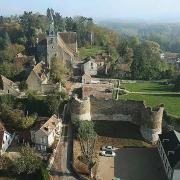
(171, 102)
(148, 87)
(119, 134)
(85, 52)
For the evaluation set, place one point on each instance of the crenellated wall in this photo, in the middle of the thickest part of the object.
(136, 112)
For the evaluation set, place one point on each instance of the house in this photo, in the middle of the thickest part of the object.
(86, 79)
(25, 61)
(169, 150)
(8, 87)
(37, 77)
(102, 60)
(121, 69)
(5, 138)
(89, 67)
(39, 81)
(46, 131)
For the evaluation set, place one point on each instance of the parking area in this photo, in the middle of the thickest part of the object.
(132, 164)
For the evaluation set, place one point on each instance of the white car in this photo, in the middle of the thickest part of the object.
(107, 153)
(108, 148)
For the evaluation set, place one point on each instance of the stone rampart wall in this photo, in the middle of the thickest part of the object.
(150, 121)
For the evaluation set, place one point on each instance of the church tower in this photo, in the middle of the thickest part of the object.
(51, 42)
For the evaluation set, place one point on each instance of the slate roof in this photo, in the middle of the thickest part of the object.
(68, 37)
(171, 142)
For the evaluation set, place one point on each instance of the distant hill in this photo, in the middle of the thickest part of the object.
(166, 34)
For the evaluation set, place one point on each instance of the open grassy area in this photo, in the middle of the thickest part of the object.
(85, 52)
(148, 87)
(171, 102)
(118, 134)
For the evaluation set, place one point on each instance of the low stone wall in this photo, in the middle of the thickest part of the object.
(136, 112)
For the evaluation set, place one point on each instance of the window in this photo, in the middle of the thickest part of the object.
(91, 65)
(43, 140)
(43, 148)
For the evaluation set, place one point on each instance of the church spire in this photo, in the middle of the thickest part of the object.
(51, 25)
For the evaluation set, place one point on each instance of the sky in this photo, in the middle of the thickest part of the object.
(98, 9)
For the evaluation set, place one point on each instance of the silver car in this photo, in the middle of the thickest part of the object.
(107, 153)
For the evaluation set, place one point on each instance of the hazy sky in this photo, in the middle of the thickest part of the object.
(124, 9)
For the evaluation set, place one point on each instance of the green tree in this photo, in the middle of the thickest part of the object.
(5, 163)
(58, 70)
(177, 83)
(146, 64)
(28, 162)
(15, 118)
(87, 138)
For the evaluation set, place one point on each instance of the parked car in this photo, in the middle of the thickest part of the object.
(107, 153)
(108, 148)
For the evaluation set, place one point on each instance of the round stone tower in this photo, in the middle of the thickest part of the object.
(152, 124)
(80, 109)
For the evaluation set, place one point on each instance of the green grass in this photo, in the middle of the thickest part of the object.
(171, 102)
(148, 87)
(86, 52)
(119, 134)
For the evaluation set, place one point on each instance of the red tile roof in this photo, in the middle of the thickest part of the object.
(2, 130)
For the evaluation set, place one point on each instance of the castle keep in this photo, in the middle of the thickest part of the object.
(93, 109)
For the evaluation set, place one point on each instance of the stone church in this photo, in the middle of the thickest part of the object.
(62, 45)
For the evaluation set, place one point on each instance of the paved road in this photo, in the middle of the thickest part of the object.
(61, 168)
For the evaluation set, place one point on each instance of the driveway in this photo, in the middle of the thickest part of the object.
(61, 169)
(132, 164)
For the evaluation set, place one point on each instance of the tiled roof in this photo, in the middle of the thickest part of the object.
(2, 130)
(39, 70)
(170, 142)
(1, 138)
(47, 125)
(50, 125)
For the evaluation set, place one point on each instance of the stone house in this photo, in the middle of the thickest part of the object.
(89, 67)
(38, 80)
(5, 138)
(25, 61)
(102, 60)
(86, 79)
(46, 131)
(8, 87)
(121, 69)
(169, 150)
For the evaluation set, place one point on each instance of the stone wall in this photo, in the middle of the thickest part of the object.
(136, 112)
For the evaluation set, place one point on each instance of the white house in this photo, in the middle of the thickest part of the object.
(45, 131)
(169, 150)
(89, 67)
(5, 138)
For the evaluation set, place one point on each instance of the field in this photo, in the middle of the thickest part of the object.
(158, 94)
(148, 87)
(85, 52)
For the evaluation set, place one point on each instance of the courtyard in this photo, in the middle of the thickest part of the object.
(131, 164)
